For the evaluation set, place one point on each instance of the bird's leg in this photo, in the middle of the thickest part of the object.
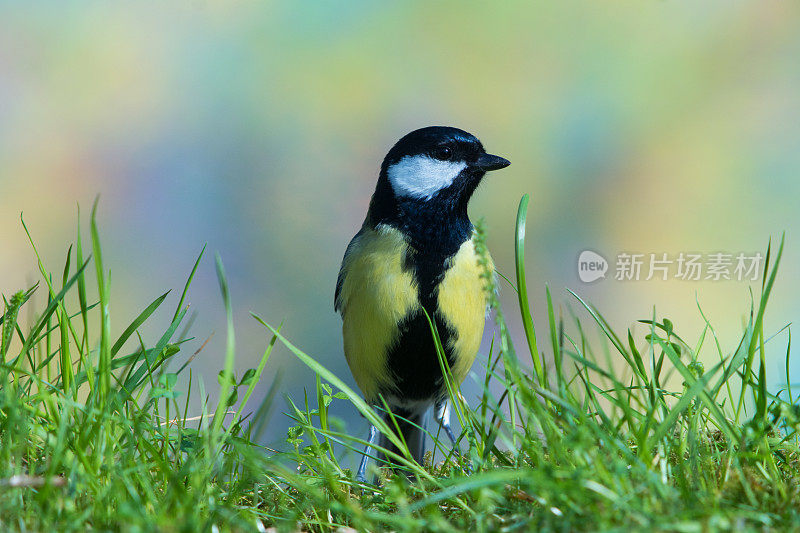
(361, 475)
(442, 410)
(443, 418)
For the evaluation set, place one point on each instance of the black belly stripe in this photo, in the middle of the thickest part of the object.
(434, 239)
(414, 362)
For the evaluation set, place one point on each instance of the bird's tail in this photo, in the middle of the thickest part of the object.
(412, 429)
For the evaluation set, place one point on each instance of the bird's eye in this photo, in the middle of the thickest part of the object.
(442, 153)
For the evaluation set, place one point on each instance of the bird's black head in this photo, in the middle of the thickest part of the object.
(430, 175)
(438, 161)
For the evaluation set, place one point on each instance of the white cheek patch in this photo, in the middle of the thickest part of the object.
(421, 176)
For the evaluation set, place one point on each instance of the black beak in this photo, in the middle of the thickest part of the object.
(487, 162)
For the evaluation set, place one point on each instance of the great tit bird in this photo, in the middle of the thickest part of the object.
(415, 251)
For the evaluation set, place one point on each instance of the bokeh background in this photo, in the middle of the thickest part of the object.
(258, 128)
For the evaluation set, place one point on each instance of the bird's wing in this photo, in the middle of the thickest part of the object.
(337, 304)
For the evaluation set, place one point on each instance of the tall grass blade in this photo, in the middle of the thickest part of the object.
(522, 291)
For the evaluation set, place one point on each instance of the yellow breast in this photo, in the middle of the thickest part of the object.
(376, 294)
(462, 300)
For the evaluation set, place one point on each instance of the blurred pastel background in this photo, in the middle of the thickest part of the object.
(258, 128)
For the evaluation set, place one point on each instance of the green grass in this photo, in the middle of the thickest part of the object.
(617, 433)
